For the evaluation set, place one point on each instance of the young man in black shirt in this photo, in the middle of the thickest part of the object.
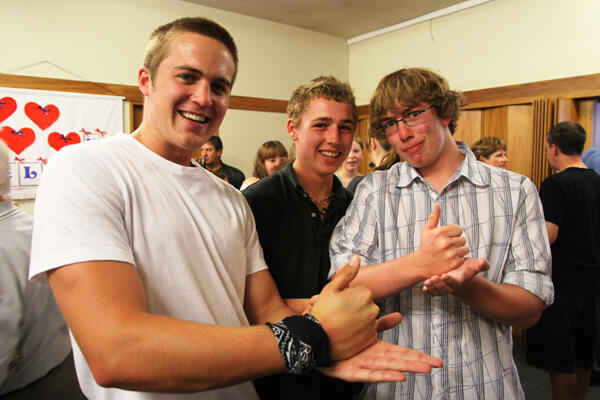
(567, 337)
(297, 209)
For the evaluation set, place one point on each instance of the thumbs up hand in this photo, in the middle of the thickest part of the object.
(348, 314)
(442, 248)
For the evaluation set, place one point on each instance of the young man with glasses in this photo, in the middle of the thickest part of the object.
(461, 316)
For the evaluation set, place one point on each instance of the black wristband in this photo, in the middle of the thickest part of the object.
(308, 329)
(302, 342)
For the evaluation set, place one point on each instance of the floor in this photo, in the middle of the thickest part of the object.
(535, 381)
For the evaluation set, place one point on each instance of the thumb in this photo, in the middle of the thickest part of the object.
(484, 265)
(434, 217)
(344, 276)
(388, 321)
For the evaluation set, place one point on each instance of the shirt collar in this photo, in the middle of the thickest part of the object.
(288, 172)
(470, 169)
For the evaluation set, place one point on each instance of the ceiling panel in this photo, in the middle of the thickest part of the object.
(342, 18)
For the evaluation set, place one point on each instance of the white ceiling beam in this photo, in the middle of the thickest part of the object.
(436, 14)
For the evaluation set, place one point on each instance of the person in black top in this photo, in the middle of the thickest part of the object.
(211, 152)
(296, 211)
(566, 339)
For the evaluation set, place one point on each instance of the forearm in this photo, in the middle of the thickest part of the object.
(390, 277)
(502, 302)
(157, 353)
(297, 306)
(125, 346)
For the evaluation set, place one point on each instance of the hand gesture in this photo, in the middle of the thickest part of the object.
(450, 281)
(382, 362)
(347, 314)
(442, 248)
(309, 304)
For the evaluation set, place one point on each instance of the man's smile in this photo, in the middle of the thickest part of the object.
(194, 117)
(330, 154)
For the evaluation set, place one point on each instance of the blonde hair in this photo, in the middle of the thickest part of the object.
(328, 87)
(158, 46)
(358, 140)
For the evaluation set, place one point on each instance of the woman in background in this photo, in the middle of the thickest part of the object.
(381, 156)
(490, 150)
(270, 157)
(349, 168)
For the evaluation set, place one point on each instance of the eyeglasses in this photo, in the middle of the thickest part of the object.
(414, 117)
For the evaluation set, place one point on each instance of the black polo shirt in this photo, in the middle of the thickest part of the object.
(294, 239)
(295, 243)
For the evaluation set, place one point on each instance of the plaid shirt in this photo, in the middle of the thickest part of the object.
(502, 219)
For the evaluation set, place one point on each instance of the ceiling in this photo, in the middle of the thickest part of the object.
(343, 18)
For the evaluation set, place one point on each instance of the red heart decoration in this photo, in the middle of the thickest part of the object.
(42, 116)
(58, 141)
(17, 141)
(8, 105)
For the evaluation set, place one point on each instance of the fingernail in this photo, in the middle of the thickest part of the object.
(354, 261)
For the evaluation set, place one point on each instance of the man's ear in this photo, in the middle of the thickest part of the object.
(446, 121)
(372, 143)
(291, 129)
(144, 81)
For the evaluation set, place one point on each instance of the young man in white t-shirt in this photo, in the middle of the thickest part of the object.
(155, 263)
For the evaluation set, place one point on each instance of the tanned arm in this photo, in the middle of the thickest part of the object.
(125, 346)
(442, 249)
(552, 229)
(346, 315)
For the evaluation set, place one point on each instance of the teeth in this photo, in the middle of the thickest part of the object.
(194, 117)
(330, 154)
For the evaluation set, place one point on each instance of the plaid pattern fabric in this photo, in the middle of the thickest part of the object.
(502, 219)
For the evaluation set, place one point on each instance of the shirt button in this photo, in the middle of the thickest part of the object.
(313, 215)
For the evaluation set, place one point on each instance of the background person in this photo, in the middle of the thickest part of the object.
(211, 153)
(35, 352)
(381, 155)
(491, 150)
(349, 168)
(270, 157)
(591, 158)
(566, 339)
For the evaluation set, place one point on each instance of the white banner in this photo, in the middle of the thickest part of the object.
(35, 124)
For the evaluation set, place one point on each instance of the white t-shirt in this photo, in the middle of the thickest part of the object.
(190, 235)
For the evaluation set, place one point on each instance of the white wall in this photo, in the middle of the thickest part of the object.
(499, 43)
(104, 41)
